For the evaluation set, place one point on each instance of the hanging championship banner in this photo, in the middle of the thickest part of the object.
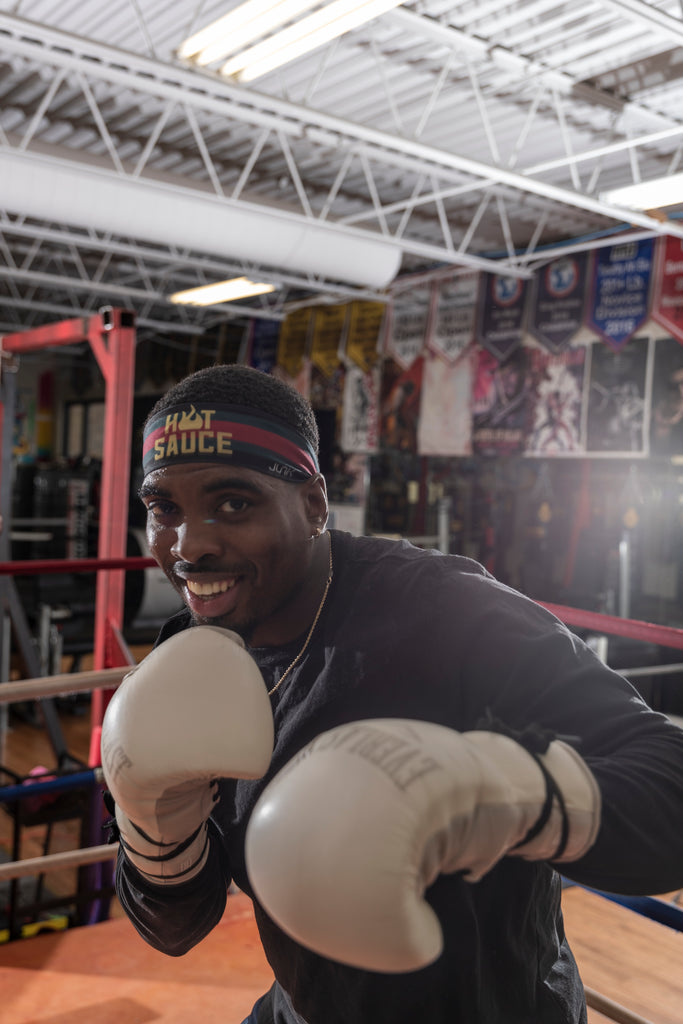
(328, 335)
(360, 410)
(445, 425)
(666, 424)
(667, 302)
(499, 402)
(616, 419)
(456, 305)
(558, 300)
(263, 344)
(364, 332)
(407, 334)
(556, 402)
(620, 290)
(400, 404)
(500, 314)
(294, 341)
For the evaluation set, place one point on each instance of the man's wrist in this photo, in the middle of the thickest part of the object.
(169, 863)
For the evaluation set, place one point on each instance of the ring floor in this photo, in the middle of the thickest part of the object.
(106, 974)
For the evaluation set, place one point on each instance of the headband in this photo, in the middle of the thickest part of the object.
(227, 433)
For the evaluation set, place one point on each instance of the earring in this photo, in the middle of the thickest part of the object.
(317, 533)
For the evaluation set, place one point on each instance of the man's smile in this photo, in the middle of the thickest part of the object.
(208, 589)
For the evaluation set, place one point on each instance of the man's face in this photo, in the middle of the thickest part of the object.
(236, 544)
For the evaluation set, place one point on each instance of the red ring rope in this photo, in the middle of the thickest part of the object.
(37, 566)
(665, 636)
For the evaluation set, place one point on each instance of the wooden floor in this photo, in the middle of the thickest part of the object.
(635, 962)
(105, 974)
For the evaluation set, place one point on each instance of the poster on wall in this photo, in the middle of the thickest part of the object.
(456, 304)
(409, 321)
(360, 409)
(667, 298)
(558, 301)
(347, 492)
(445, 426)
(666, 419)
(616, 410)
(500, 396)
(619, 302)
(556, 402)
(327, 392)
(302, 381)
(24, 427)
(500, 314)
(400, 404)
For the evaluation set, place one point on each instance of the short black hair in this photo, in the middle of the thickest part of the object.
(234, 384)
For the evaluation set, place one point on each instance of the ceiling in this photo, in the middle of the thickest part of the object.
(441, 137)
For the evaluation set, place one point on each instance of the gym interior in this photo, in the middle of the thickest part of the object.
(494, 357)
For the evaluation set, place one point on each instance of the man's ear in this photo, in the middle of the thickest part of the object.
(315, 496)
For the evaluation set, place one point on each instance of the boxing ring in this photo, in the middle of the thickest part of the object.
(629, 960)
(102, 972)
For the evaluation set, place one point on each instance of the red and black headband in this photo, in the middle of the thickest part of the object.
(209, 432)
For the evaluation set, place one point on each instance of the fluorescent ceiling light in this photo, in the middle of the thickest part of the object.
(239, 27)
(648, 195)
(256, 21)
(221, 291)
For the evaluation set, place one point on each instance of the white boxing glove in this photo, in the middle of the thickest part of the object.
(194, 710)
(345, 839)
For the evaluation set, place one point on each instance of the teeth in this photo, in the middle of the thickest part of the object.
(208, 589)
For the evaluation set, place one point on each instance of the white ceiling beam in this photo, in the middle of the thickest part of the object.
(116, 291)
(57, 309)
(141, 73)
(650, 16)
(543, 256)
(171, 257)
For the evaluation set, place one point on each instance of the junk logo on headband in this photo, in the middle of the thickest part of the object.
(186, 433)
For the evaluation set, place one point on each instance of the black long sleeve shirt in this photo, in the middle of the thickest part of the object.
(419, 635)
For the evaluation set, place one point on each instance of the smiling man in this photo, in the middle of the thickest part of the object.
(390, 752)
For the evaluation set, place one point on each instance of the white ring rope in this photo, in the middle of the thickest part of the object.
(615, 1011)
(44, 686)
(56, 861)
(68, 682)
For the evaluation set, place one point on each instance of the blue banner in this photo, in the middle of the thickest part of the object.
(620, 297)
(558, 302)
(500, 320)
(263, 349)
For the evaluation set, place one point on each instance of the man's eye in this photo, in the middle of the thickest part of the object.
(234, 505)
(160, 508)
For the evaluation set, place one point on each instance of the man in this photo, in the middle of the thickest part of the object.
(458, 746)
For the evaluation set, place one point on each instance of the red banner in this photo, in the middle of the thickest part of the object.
(667, 304)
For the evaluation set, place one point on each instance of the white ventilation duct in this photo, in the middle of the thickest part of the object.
(57, 190)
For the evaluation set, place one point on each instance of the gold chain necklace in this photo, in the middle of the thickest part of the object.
(310, 632)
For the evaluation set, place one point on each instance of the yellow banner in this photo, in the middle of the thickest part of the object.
(328, 336)
(293, 341)
(364, 331)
